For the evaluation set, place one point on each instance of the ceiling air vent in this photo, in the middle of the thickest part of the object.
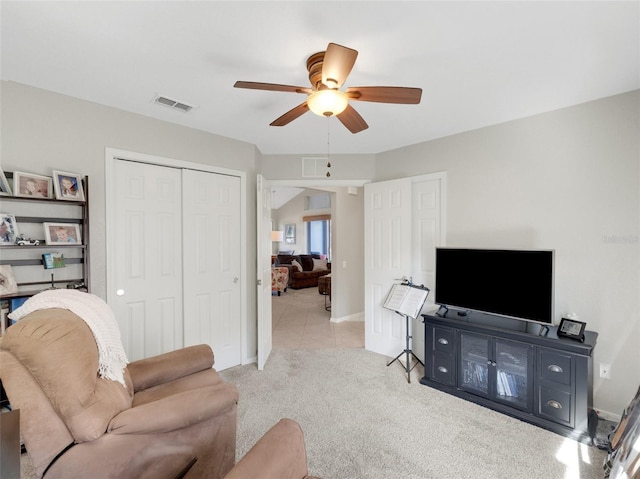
(314, 167)
(171, 103)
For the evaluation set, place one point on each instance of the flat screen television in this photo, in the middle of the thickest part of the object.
(513, 283)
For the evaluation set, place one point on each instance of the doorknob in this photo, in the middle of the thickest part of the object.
(120, 292)
(235, 280)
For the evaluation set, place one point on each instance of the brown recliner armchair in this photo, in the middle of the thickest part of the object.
(175, 407)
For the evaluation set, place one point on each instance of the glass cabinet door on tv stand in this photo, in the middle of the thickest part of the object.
(513, 365)
(498, 369)
(474, 364)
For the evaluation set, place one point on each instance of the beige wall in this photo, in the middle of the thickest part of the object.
(292, 212)
(567, 180)
(42, 131)
(343, 168)
(347, 277)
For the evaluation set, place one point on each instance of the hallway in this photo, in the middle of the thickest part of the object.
(301, 322)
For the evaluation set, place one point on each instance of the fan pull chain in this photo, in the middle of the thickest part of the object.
(328, 147)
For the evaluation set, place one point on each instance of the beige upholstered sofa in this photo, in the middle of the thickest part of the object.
(174, 417)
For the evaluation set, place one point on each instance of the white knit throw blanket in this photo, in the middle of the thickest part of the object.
(97, 314)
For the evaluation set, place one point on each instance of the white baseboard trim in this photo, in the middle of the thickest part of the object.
(608, 416)
(351, 317)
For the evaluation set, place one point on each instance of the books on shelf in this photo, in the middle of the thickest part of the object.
(506, 385)
(476, 374)
(406, 299)
(53, 260)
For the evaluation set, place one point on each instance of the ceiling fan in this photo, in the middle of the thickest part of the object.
(328, 71)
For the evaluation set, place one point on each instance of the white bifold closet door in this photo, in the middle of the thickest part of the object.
(177, 260)
(211, 254)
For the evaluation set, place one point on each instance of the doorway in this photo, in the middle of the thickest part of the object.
(299, 317)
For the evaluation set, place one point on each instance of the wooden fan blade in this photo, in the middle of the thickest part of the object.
(337, 64)
(291, 115)
(271, 87)
(352, 120)
(385, 94)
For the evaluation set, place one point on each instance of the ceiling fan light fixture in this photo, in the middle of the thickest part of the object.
(328, 71)
(327, 102)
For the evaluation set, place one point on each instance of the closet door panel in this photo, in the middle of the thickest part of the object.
(148, 257)
(211, 237)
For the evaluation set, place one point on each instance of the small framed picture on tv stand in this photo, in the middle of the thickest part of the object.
(570, 328)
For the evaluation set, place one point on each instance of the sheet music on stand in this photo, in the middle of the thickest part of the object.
(406, 299)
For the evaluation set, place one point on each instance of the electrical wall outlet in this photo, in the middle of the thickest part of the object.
(605, 371)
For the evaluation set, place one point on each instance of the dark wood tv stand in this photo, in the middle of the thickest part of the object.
(514, 367)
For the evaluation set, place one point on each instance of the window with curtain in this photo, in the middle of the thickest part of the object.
(318, 234)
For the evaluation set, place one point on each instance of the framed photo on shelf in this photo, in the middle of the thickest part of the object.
(53, 260)
(5, 188)
(68, 186)
(62, 233)
(8, 229)
(570, 328)
(8, 283)
(31, 186)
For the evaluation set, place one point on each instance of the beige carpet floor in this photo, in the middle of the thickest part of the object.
(362, 419)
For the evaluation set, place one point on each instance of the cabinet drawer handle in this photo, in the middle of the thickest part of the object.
(443, 341)
(554, 404)
(442, 369)
(554, 369)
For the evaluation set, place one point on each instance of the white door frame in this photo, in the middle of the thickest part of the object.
(263, 270)
(114, 154)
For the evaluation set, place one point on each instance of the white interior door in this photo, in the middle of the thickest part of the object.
(404, 222)
(147, 246)
(428, 229)
(211, 238)
(428, 226)
(387, 219)
(263, 240)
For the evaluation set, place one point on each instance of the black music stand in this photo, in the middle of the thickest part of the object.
(407, 300)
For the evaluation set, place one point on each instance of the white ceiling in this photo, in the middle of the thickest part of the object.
(478, 63)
